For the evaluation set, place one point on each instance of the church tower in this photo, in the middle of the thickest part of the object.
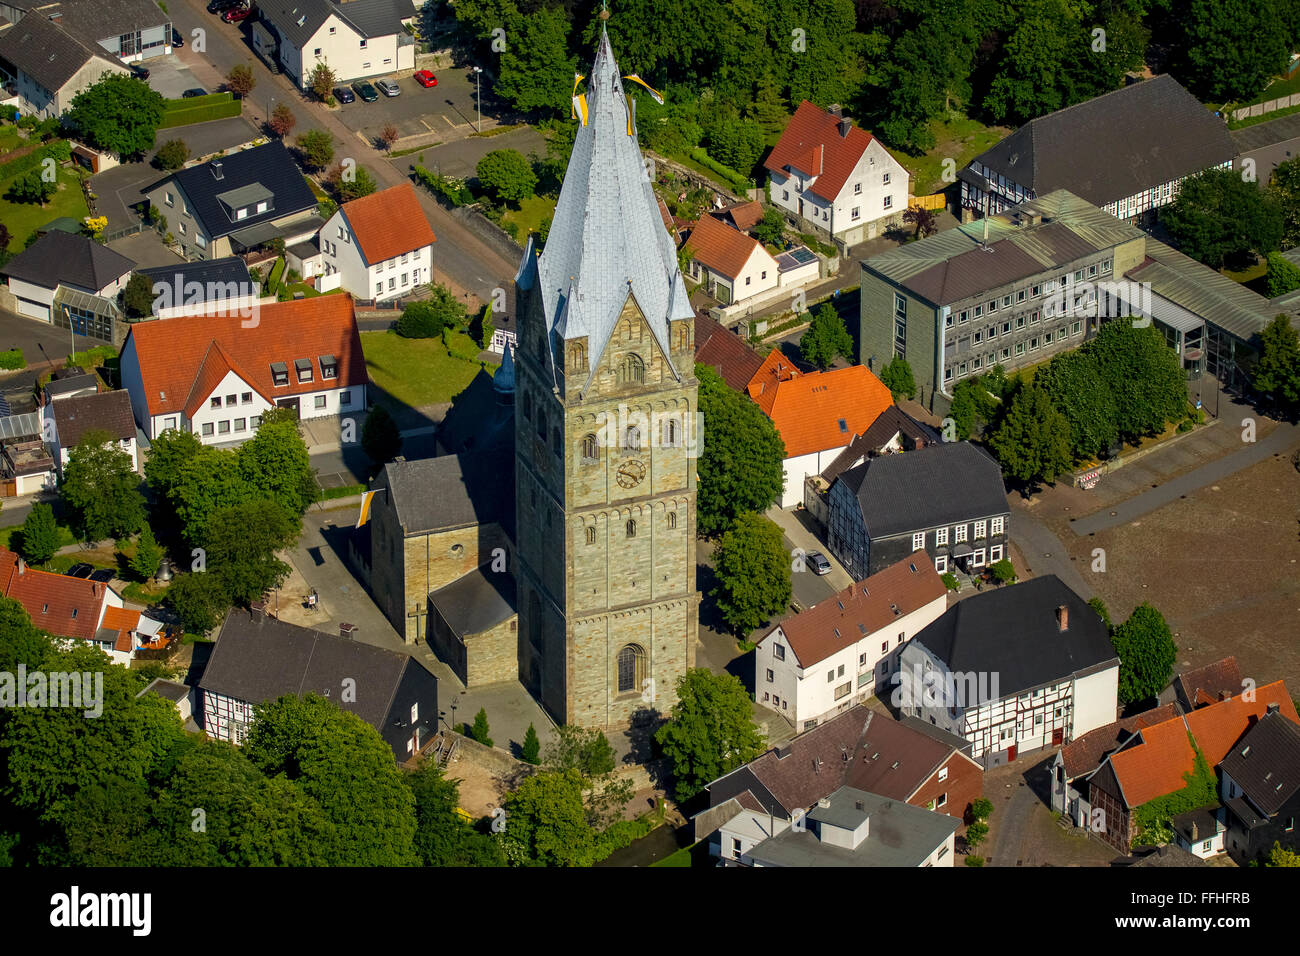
(605, 431)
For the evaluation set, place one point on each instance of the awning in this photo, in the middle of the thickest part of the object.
(962, 550)
(257, 235)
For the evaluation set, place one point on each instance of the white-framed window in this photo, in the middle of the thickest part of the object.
(320, 401)
(857, 189)
(884, 179)
(959, 534)
(918, 541)
(169, 199)
(207, 429)
(223, 428)
(200, 241)
(1020, 348)
(379, 288)
(392, 283)
(941, 563)
(995, 554)
(996, 525)
(977, 558)
(181, 227)
(979, 529)
(889, 202)
(941, 536)
(855, 213)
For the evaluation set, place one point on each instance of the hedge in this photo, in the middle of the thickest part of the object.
(273, 282)
(459, 345)
(13, 359)
(201, 114)
(207, 99)
(16, 167)
(701, 156)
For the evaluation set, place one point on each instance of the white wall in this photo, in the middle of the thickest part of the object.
(943, 854)
(341, 254)
(1096, 701)
(27, 290)
(345, 55)
(798, 468)
(870, 172)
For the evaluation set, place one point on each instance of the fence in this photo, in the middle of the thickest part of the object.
(1270, 106)
(934, 202)
(124, 232)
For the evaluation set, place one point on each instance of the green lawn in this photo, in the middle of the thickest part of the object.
(960, 139)
(9, 139)
(528, 217)
(23, 219)
(416, 372)
(66, 537)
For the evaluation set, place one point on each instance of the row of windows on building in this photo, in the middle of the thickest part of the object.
(993, 526)
(1006, 328)
(1034, 291)
(978, 559)
(1032, 344)
(629, 528)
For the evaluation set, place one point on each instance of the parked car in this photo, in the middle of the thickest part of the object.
(103, 575)
(193, 92)
(817, 561)
(237, 14)
(178, 41)
(388, 87)
(220, 6)
(344, 95)
(139, 72)
(79, 571)
(426, 79)
(365, 91)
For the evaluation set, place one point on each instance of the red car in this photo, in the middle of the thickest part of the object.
(426, 79)
(237, 14)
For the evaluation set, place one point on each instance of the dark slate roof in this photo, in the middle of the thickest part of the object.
(203, 271)
(167, 689)
(298, 20)
(1115, 145)
(1012, 632)
(46, 52)
(109, 411)
(1266, 762)
(58, 257)
(1205, 819)
(927, 487)
(472, 489)
(260, 659)
(96, 20)
(899, 834)
(1169, 855)
(73, 383)
(894, 421)
(1205, 685)
(270, 166)
(477, 601)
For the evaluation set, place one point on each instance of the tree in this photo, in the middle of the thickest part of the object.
(33, 187)
(1146, 652)
(976, 834)
(242, 542)
(507, 175)
(981, 808)
(1219, 218)
(546, 822)
(583, 749)
(480, 730)
(172, 154)
(322, 80)
(240, 80)
(1099, 606)
(102, 489)
(924, 221)
(1284, 185)
(282, 120)
(209, 481)
(897, 377)
(826, 338)
(535, 70)
(118, 114)
(388, 136)
(199, 600)
(1003, 572)
(442, 837)
(379, 436)
(428, 318)
(167, 454)
(1143, 373)
(316, 147)
(1281, 857)
(753, 571)
(1278, 368)
(361, 183)
(741, 465)
(1233, 52)
(40, 535)
(138, 297)
(341, 763)
(1077, 388)
(275, 462)
(962, 409)
(769, 230)
(710, 730)
(531, 749)
(1283, 275)
(1032, 442)
(148, 555)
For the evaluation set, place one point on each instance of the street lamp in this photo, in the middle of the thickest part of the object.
(478, 99)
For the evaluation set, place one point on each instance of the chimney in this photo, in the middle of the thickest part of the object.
(1062, 618)
(22, 566)
(1273, 708)
(782, 753)
(1195, 831)
(216, 169)
(835, 110)
(257, 610)
(824, 803)
(846, 124)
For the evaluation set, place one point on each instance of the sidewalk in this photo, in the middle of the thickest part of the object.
(800, 536)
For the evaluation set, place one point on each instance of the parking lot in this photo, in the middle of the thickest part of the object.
(418, 111)
(170, 77)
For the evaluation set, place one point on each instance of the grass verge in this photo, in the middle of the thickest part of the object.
(416, 372)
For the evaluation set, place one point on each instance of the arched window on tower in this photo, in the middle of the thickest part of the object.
(672, 520)
(631, 371)
(590, 448)
(631, 527)
(577, 355)
(672, 433)
(631, 668)
(632, 438)
(591, 535)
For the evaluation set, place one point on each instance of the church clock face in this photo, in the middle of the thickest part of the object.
(631, 473)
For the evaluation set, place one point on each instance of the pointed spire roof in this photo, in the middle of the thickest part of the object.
(504, 379)
(607, 239)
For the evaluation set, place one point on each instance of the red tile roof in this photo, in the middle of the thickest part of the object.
(812, 143)
(62, 605)
(389, 223)
(1084, 754)
(1156, 766)
(746, 215)
(216, 365)
(121, 619)
(175, 353)
(861, 609)
(808, 409)
(1205, 685)
(725, 352)
(719, 247)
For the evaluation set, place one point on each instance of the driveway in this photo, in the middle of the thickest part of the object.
(1023, 830)
(146, 250)
(445, 109)
(170, 77)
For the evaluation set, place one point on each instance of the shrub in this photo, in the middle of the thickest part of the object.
(172, 154)
(950, 582)
(974, 861)
(480, 731)
(532, 747)
(12, 359)
(1003, 572)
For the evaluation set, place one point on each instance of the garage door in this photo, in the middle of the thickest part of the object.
(37, 310)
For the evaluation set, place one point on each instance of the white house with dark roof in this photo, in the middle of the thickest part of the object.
(64, 270)
(355, 38)
(69, 419)
(1126, 151)
(48, 65)
(237, 202)
(1012, 670)
(377, 247)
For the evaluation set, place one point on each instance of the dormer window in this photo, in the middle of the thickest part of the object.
(303, 367)
(241, 214)
(263, 206)
(279, 374)
(329, 366)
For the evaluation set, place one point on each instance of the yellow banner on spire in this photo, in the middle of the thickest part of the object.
(658, 97)
(579, 100)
